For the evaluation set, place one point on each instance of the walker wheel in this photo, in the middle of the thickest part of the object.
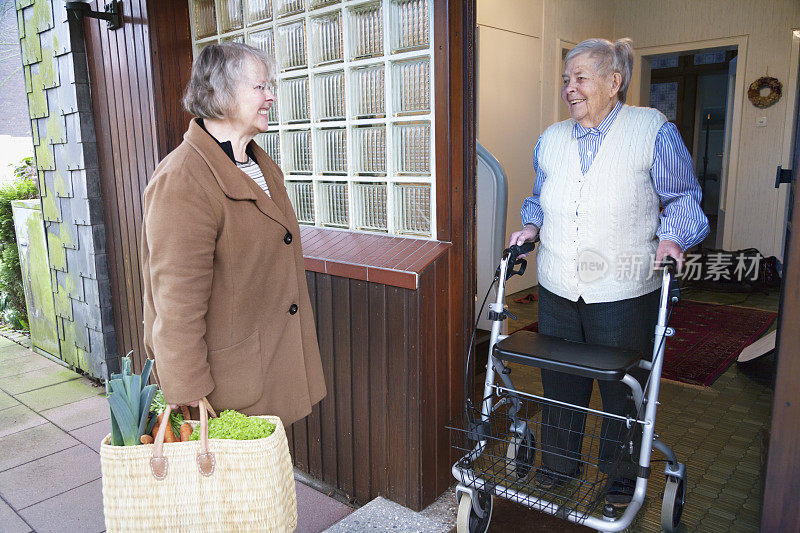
(468, 519)
(521, 455)
(672, 504)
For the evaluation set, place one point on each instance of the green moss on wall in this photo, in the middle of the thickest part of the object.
(60, 187)
(56, 253)
(43, 14)
(48, 75)
(50, 209)
(56, 129)
(39, 297)
(45, 159)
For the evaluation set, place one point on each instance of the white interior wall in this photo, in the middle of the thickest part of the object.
(509, 99)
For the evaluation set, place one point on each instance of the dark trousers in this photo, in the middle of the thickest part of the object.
(626, 324)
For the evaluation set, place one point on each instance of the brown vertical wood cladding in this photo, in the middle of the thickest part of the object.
(122, 99)
(381, 429)
(135, 127)
(172, 66)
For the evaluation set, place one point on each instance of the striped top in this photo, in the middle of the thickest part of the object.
(682, 219)
(252, 169)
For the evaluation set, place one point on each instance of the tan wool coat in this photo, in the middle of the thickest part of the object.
(226, 308)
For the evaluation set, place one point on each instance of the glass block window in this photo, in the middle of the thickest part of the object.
(353, 126)
(664, 97)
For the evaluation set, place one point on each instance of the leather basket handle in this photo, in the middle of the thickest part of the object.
(205, 459)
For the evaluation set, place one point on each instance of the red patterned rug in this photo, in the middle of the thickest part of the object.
(708, 338)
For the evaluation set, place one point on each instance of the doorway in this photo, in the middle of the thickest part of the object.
(694, 90)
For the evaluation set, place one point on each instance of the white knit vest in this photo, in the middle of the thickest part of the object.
(599, 226)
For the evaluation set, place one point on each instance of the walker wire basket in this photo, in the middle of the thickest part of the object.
(500, 453)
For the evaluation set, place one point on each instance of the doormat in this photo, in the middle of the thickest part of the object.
(708, 338)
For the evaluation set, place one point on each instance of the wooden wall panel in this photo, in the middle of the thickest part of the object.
(122, 99)
(380, 431)
(137, 75)
(172, 67)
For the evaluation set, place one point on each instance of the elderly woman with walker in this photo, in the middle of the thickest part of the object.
(615, 195)
(614, 185)
(227, 313)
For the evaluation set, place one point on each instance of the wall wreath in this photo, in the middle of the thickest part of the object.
(764, 82)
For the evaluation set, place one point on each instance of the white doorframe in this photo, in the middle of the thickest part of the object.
(559, 107)
(727, 197)
(790, 90)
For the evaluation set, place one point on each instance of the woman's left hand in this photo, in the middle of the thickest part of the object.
(671, 249)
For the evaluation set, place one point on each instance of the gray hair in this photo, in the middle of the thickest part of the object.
(611, 58)
(216, 72)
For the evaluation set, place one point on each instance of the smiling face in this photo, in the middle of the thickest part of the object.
(254, 97)
(590, 96)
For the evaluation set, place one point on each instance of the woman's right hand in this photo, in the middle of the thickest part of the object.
(527, 234)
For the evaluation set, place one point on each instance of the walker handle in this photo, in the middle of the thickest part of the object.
(515, 251)
(670, 264)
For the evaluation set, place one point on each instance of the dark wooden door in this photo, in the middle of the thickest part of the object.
(780, 511)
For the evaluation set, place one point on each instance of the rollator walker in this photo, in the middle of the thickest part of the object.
(499, 441)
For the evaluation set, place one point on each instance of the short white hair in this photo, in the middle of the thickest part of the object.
(611, 58)
(216, 72)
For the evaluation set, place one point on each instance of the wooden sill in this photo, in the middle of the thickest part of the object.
(384, 259)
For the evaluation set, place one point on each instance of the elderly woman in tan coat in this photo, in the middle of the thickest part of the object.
(226, 308)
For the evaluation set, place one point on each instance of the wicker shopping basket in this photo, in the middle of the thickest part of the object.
(208, 485)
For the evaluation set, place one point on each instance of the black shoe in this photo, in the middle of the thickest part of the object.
(620, 493)
(550, 479)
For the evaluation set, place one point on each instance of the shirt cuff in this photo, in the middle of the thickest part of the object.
(531, 215)
(669, 236)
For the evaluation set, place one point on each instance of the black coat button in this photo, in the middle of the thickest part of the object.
(287, 238)
(293, 309)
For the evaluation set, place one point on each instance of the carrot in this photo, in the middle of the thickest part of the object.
(186, 431)
(146, 439)
(185, 412)
(170, 435)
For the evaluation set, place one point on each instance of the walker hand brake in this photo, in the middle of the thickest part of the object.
(502, 314)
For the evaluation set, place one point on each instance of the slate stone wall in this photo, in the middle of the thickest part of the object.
(57, 85)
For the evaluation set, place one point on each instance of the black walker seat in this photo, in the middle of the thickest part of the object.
(579, 358)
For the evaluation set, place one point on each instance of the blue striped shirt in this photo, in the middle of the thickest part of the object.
(682, 218)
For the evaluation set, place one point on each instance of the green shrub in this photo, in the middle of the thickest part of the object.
(12, 294)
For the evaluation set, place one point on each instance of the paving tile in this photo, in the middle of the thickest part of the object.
(383, 515)
(78, 414)
(7, 401)
(80, 509)
(16, 351)
(92, 434)
(49, 476)
(18, 418)
(37, 379)
(5, 342)
(33, 443)
(60, 394)
(317, 511)
(20, 365)
(10, 522)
